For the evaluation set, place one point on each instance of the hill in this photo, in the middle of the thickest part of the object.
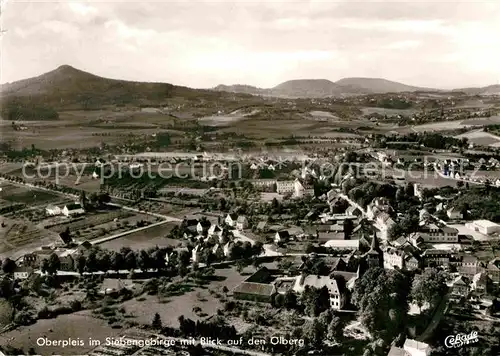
(321, 88)
(70, 88)
(376, 86)
(488, 90)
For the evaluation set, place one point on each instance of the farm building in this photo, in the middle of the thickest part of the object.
(335, 289)
(485, 227)
(256, 287)
(73, 210)
(53, 210)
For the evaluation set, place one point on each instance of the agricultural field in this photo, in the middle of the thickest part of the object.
(25, 195)
(16, 234)
(101, 224)
(481, 138)
(154, 236)
(171, 308)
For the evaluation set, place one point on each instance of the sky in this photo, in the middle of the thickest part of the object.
(196, 43)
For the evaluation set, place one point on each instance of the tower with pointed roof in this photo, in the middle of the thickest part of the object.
(373, 258)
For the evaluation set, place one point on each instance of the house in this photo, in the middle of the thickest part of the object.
(354, 210)
(218, 252)
(378, 205)
(215, 230)
(262, 226)
(281, 236)
(398, 351)
(393, 258)
(467, 265)
(417, 190)
(73, 210)
(335, 288)
(263, 183)
(114, 285)
(203, 226)
(35, 258)
(227, 248)
(436, 257)
(22, 272)
(460, 287)
(256, 287)
(231, 219)
(196, 253)
(481, 283)
(302, 189)
(411, 262)
(342, 244)
(285, 187)
(493, 269)
(433, 233)
(484, 227)
(416, 348)
(242, 222)
(52, 210)
(383, 223)
(454, 214)
(67, 263)
(84, 248)
(256, 292)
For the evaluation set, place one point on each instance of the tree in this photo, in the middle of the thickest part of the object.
(336, 329)
(428, 287)
(130, 260)
(382, 299)
(156, 323)
(314, 332)
(8, 266)
(91, 262)
(51, 265)
(116, 261)
(143, 260)
(80, 263)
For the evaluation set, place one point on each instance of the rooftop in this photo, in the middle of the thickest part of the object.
(254, 288)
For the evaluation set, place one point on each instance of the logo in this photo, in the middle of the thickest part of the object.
(459, 340)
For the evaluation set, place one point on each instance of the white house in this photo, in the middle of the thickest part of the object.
(384, 222)
(227, 248)
(196, 253)
(484, 227)
(242, 222)
(454, 214)
(53, 210)
(416, 348)
(393, 258)
(433, 233)
(73, 210)
(203, 226)
(337, 295)
(281, 236)
(301, 189)
(231, 219)
(285, 186)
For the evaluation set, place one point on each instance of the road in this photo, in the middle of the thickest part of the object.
(436, 318)
(268, 250)
(166, 217)
(353, 203)
(125, 233)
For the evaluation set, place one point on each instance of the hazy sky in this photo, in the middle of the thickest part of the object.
(204, 43)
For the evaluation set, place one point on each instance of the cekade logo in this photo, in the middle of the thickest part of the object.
(459, 340)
